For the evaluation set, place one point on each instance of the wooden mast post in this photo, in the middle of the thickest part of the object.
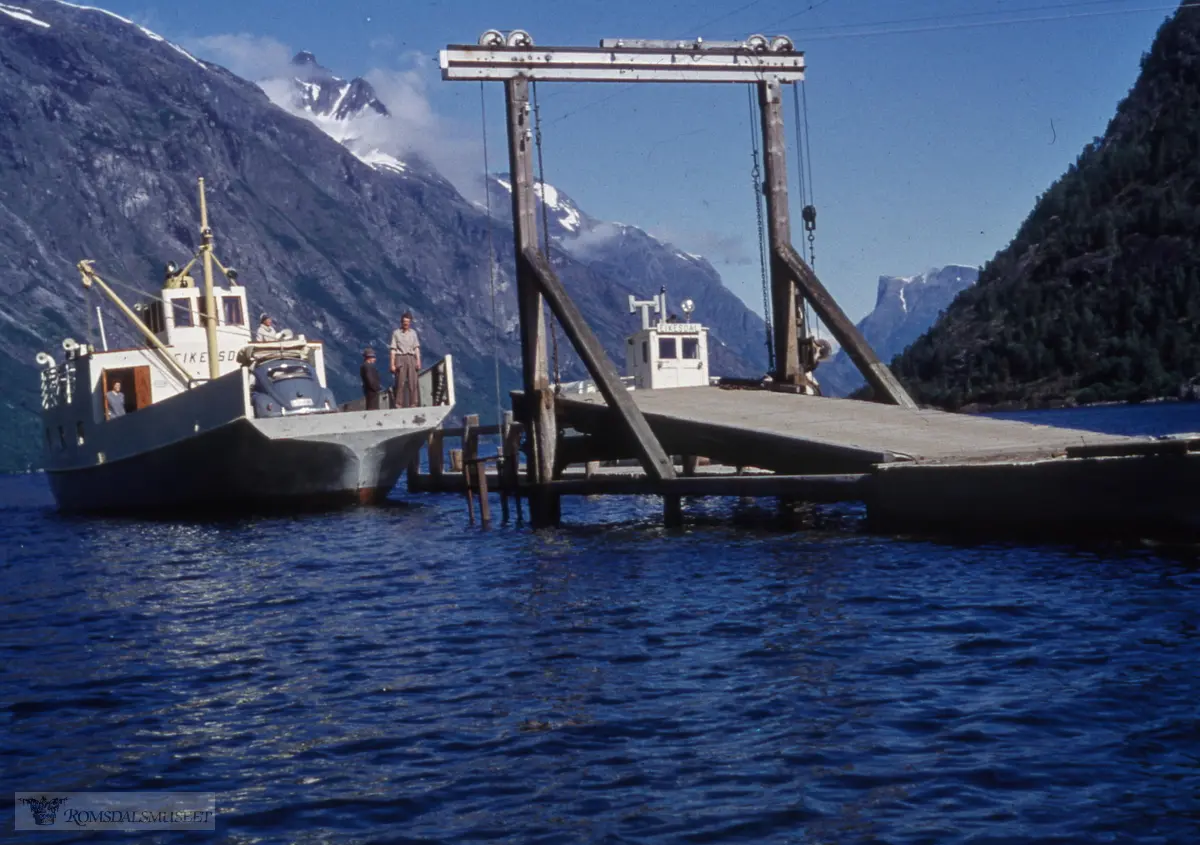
(779, 231)
(210, 303)
(538, 412)
(789, 271)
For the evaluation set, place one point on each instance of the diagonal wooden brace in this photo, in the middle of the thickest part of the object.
(651, 454)
(873, 370)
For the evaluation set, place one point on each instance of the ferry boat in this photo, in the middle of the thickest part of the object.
(212, 419)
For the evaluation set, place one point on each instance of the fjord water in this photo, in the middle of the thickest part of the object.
(392, 675)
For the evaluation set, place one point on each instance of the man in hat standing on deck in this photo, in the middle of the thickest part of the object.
(370, 379)
(406, 363)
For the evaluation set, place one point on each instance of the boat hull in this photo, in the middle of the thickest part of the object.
(292, 463)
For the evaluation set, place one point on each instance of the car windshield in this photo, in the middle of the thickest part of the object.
(282, 371)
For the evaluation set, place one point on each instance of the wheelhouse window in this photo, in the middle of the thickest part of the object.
(181, 310)
(691, 347)
(645, 351)
(667, 348)
(231, 308)
(154, 317)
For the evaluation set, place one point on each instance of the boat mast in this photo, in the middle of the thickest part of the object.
(210, 305)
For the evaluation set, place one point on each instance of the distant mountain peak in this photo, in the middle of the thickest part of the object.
(318, 91)
(905, 307)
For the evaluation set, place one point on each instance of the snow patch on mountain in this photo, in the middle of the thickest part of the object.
(22, 14)
(153, 36)
(382, 161)
(347, 110)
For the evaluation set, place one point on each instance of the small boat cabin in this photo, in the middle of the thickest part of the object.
(666, 353)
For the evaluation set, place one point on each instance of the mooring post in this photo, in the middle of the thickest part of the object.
(485, 507)
(512, 450)
(470, 440)
(538, 406)
(502, 465)
(413, 473)
(673, 510)
(779, 232)
(437, 442)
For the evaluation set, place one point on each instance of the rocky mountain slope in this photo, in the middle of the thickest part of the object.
(104, 128)
(905, 308)
(1098, 295)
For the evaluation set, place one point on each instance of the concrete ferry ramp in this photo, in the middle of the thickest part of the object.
(790, 433)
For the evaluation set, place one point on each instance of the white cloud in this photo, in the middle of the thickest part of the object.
(253, 57)
(414, 127)
(718, 247)
(594, 238)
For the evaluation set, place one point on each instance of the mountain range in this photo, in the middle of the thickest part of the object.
(905, 308)
(104, 127)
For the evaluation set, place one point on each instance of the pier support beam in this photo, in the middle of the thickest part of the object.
(779, 232)
(538, 410)
(886, 386)
(654, 459)
(789, 272)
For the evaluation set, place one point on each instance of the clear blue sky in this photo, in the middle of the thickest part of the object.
(935, 123)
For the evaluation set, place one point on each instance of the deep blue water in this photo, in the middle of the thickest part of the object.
(391, 675)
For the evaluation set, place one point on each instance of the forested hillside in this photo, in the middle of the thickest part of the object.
(1098, 296)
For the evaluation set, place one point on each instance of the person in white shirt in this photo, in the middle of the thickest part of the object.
(406, 364)
(266, 331)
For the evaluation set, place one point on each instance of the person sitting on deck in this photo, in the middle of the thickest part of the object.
(115, 400)
(370, 380)
(267, 333)
(406, 363)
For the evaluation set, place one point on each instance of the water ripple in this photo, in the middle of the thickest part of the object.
(391, 675)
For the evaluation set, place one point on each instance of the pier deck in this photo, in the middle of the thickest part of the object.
(811, 434)
(914, 469)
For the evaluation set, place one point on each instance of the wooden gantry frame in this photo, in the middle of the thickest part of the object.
(767, 63)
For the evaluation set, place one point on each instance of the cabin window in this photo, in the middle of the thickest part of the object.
(153, 313)
(79, 433)
(232, 306)
(645, 351)
(691, 347)
(181, 309)
(666, 348)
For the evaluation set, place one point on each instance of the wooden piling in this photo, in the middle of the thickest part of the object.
(502, 465)
(511, 470)
(672, 510)
(437, 440)
(470, 452)
(485, 509)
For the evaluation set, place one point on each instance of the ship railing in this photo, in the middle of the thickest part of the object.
(57, 384)
(437, 382)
